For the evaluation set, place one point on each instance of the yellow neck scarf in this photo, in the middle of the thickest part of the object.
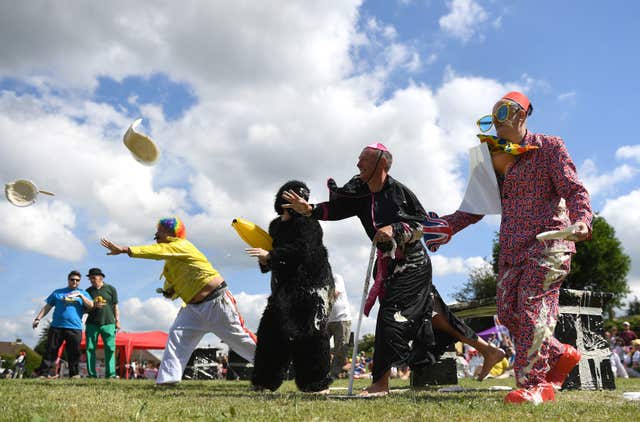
(498, 144)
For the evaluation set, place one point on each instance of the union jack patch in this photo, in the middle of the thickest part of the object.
(436, 231)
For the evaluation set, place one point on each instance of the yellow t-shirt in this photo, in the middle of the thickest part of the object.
(499, 368)
(186, 269)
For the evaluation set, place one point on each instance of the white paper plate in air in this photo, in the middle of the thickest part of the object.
(141, 146)
(22, 192)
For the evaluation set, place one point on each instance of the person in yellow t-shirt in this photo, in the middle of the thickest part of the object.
(210, 306)
(499, 368)
(502, 369)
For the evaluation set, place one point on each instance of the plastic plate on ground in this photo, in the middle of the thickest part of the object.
(631, 395)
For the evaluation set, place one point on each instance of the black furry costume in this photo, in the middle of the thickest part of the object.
(294, 323)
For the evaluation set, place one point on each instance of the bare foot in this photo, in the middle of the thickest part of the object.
(365, 393)
(375, 390)
(493, 356)
(322, 392)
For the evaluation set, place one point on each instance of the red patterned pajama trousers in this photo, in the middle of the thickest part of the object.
(527, 300)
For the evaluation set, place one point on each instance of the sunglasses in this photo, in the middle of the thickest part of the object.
(74, 279)
(502, 114)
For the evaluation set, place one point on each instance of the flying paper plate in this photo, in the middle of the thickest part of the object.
(252, 234)
(631, 395)
(141, 146)
(564, 234)
(22, 193)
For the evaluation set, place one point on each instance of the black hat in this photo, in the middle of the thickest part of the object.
(295, 185)
(95, 271)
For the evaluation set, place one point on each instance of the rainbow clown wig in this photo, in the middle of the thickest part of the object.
(174, 225)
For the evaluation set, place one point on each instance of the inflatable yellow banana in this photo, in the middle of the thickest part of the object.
(252, 234)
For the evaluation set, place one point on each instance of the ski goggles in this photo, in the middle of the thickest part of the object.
(501, 115)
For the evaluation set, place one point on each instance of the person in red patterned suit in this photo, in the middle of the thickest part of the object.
(540, 191)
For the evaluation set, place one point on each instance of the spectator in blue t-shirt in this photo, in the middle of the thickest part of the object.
(69, 303)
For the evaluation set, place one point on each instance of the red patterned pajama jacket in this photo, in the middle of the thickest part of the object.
(540, 192)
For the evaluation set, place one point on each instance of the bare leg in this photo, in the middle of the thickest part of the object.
(380, 387)
(491, 354)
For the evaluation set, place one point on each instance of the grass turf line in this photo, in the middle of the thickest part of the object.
(108, 400)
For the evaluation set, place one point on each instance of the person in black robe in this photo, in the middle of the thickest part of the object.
(414, 325)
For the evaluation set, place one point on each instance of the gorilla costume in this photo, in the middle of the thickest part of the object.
(294, 323)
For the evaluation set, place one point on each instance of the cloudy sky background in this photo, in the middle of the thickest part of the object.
(242, 96)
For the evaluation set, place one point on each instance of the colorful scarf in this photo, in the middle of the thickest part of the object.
(498, 144)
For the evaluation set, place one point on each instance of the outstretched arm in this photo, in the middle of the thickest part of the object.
(333, 210)
(43, 312)
(461, 219)
(113, 248)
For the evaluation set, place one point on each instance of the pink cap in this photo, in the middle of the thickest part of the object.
(378, 146)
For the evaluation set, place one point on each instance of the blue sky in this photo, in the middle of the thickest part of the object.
(241, 98)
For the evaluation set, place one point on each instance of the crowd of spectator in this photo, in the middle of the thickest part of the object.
(469, 362)
(625, 351)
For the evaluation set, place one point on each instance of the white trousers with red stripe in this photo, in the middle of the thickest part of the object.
(219, 316)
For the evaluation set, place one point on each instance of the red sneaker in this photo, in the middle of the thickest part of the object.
(539, 394)
(569, 359)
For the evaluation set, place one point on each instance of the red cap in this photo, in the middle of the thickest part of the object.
(518, 98)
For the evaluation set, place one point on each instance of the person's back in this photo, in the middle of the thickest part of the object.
(627, 334)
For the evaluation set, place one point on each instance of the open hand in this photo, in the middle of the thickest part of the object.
(296, 202)
(261, 254)
(113, 248)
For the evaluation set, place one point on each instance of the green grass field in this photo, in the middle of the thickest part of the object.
(101, 400)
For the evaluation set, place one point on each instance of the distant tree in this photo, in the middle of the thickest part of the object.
(365, 345)
(482, 280)
(600, 264)
(495, 253)
(633, 307)
(481, 285)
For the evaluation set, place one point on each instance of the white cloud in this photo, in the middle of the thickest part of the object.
(598, 183)
(46, 229)
(390, 32)
(621, 213)
(464, 19)
(567, 96)
(629, 152)
(206, 43)
(147, 315)
(19, 327)
(443, 265)
(251, 308)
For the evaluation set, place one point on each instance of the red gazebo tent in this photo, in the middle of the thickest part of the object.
(126, 343)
